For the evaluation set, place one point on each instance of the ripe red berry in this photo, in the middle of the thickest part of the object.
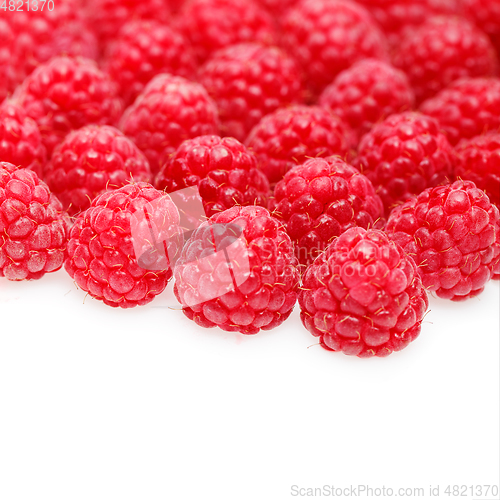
(403, 155)
(478, 160)
(366, 93)
(486, 15)
(33, 227)
(453, 234)
(238, 272)
(328, 36)
(169, 111)
(9, 73)
(65, 94)
(468, 107)
(224, 170)
(442, 50)
(363, 296)
(211, 25)
(103, 256)
(90, 161)
(20, 139)
(249, 81)
(144, 49)
(322, 198)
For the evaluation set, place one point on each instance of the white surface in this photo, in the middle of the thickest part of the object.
(98, 403)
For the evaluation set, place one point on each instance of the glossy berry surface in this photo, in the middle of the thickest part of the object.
(442, 50)
(256, 289)
(289, 136)
(33, 227)
(468, 107)
(90, 161)
(328, 36)
(115, 264)
(224, 171)
(403, 155)
(20, 139)
(452, 233)
(249, 81)
(366, 93)
(363, 296)
(321, 199)
(486, 15)
(66, 94)
(169, 111)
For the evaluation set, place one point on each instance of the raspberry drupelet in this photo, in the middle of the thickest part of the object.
(322, 198)
(248, 81)
(20, 139)
(238, 272)
(168, 111)
(289, 136)
(363, 296)
(33, 226)
(468, 107)
(328, 36)
(90, 161)
(453, 234)
(65, 94)
(114, 251)
(403, 155)
(442, 50)
(366, 93)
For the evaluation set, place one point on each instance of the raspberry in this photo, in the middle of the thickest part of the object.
(144, 49)
(328, 36)
(442, 50)
(249, 81)
(363, 296)
(102, 255)
(8, 73)
(211, 25)
(224, 170)
(20, 139)
(403, 155)
(256, 289)
(486, 15)
(169, 111)
(289, 136)
(468, 107)
(453, 234)
(366, 93)
(33, 228)
(91, 160)
(321, 199)
(479, 161)
(65, 94)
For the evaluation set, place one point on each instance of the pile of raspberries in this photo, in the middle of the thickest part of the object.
(341, 154)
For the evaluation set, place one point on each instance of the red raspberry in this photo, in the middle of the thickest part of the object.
(211, 25)
(33, 228)
(453, 234)
(479, 161)
(328, 36)
(105, 256)
(65, 94)
(366, 93)
(9, 73)
(441, 51)
(20, 139)
(144, 49)
(224, 170)
(321, 199)
(90, 161)
(249, 81)
(486, 14)
(238, 272)
(468, 107)
(289, 136)
(169, 111)
(363, 296)
(403, 155)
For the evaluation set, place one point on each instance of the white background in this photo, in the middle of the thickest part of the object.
(98, 403)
